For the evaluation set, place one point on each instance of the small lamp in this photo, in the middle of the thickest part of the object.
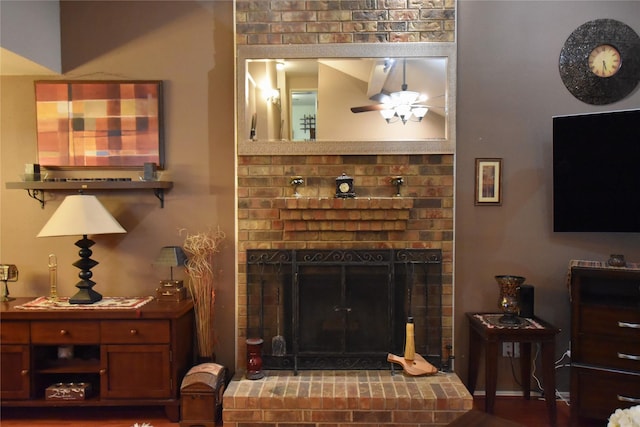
(82, 215)
(8, 273)
(171, 256)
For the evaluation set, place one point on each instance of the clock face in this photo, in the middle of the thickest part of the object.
(344, 187)
(604, 60)
(600, 61)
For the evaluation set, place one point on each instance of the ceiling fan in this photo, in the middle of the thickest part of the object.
(401, 105)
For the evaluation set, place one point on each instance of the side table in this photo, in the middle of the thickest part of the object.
(485, 330)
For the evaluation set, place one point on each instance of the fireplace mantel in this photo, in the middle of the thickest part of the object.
(369, 203)
(357, 214)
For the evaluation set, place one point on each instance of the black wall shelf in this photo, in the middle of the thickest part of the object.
(36, 189)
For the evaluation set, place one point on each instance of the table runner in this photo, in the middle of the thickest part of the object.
(106, 303)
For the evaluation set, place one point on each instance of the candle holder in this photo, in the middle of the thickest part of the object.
(8, 273)
(254, 358)
(508, 301)
(295, 182)
(398, 181)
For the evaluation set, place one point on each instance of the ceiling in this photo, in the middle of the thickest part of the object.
(12, 64)
(424, 75)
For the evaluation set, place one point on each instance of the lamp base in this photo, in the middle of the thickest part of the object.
(85, 295)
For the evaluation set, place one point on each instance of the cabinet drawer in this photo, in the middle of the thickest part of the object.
(602, 392)
(135, 331)
(617, 322)
(612, 353)
(65, 332)
(14, 332)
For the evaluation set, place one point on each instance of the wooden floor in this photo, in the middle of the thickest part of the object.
(530, 413)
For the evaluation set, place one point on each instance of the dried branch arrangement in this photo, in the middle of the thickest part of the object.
(201, 249)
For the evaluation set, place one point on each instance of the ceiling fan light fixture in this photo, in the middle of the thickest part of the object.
(404, 97)
(419, 112)
(388, 114)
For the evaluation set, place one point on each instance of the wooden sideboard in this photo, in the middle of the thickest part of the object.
(605, 341)
(129, 357)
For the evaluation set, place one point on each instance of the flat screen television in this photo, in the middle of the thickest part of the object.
(596, 172)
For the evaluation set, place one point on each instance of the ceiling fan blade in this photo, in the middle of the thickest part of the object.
(382, 97)
(364, 109)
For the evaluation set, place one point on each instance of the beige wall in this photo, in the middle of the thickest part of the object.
(188, 45)
(508, 90)
(502, 112)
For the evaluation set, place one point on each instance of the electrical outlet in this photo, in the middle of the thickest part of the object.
(510, 349)
(507, 349)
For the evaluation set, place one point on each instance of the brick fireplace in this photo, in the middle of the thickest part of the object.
(271, 217)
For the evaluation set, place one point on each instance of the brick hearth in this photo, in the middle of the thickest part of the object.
(341, 398)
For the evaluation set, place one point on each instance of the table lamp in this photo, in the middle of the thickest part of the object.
(8, 273)
(171, 256)
(82, 215)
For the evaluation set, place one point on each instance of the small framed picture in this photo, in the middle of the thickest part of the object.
(488, 182)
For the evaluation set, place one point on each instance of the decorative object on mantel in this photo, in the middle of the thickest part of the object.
(295, 182)
(617, 260)
(344, 186)
(398, 181)
(82, 215)
(202, 271)
(508, 301)
(8, 273)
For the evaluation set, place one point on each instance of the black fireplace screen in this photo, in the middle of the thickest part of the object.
(343, 309)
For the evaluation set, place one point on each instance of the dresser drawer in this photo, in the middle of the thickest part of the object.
(65, 332)
(135, 331)
(612, 353)
(602, 392)
(14, 332)
(618, 322)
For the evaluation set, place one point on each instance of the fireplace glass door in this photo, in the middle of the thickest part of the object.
(343, 309)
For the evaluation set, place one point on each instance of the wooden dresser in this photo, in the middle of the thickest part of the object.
(605, 339)
(126, 356)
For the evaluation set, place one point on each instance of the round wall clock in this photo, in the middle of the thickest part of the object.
(600, 61)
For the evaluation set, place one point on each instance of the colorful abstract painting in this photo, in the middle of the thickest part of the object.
(115, 124)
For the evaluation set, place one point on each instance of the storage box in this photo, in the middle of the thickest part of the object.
(171, 294)
(68, 391)
(201, 395)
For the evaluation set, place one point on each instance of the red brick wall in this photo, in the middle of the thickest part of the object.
(344, 21)
(270, 217)
(267, 219)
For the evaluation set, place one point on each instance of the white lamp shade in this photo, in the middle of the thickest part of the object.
(419, 112)
(80, 215)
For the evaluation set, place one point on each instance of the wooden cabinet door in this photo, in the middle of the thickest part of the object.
(135, 371)
(14, 372)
